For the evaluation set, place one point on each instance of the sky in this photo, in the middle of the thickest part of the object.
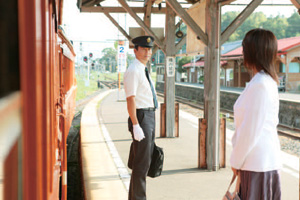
(96, 32)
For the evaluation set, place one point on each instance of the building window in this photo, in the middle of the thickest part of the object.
(282, 68)
(294, 67)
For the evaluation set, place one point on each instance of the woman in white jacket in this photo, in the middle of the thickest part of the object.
(256, 147)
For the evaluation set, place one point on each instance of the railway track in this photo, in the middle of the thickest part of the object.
(110, 82)
(282, 129)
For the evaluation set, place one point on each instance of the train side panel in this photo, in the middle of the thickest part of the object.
(48, 90)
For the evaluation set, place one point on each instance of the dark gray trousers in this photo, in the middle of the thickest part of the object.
(142, 153)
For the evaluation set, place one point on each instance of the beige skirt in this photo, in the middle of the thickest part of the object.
(260, 185)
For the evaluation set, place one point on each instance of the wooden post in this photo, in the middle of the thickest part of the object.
(202, 147)
(188, 20)
(225, 72)
(222, 143)
(212, 83)
(288, 60)
(147, 21)
(169, 94)
(179, 45)
(176, 119)
(147, 14)
(202, 128)
(163, 120)
(296, 4)
(239, 74)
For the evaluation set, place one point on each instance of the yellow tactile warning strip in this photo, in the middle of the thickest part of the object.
(101, 177)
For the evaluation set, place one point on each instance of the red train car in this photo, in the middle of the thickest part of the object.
(37, 100)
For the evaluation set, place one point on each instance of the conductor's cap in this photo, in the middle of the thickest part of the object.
(143, 41)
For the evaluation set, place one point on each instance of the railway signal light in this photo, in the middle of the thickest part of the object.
(91, 55)
(85, 59)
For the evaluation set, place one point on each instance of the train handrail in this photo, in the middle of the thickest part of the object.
(66, 41)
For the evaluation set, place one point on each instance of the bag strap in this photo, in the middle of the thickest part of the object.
(238, 182)
(231, 182)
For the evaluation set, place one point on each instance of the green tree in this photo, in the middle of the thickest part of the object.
(116, 43)
(255, 20)
(227, 18)
(130, 59)
(293, 28)
(183, 61)
(277, 25)
(109, 59)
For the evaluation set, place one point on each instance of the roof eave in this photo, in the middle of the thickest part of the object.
(290, 47)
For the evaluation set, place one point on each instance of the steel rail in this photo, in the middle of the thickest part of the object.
(282, 129)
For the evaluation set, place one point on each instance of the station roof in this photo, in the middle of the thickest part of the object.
(230, 46)
(234, 50)
(284, 45)
(95, 3)
(88, 3)
(81, 3)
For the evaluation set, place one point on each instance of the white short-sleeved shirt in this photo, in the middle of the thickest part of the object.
(136, 84)
(255, 143)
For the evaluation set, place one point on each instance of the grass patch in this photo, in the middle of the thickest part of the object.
(83, 90)
(153, 77)
(114, 76)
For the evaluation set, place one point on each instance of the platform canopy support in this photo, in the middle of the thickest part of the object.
(296, 4)
(169, 97)
(142, 24)
(239, 20)
(212, 83)
(117, 25)
(188, 20)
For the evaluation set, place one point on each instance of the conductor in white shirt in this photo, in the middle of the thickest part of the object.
(141, 105)
(256, 148)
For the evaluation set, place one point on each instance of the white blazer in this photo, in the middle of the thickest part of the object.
(255, 143)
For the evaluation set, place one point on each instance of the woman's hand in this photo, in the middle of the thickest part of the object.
(235, 171)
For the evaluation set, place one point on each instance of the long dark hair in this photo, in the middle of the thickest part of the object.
(260, 51)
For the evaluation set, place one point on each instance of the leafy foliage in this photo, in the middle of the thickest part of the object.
(109, 59)
(282, 27)
(183, 61)
(293, 28)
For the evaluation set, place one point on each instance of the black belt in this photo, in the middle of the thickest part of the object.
(147, 109)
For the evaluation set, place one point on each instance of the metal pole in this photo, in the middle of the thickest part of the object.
(88, 71)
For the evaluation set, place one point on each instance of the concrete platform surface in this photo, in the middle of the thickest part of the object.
(101, 177)
(181, 179)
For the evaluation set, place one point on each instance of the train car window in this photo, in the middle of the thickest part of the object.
(9, 48)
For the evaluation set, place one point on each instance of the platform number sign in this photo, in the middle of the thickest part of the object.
(170, 64)
(121, 58)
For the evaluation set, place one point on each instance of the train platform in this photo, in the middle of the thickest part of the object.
(105, 143)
